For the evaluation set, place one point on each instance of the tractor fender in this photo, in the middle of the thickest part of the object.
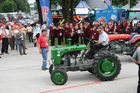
(118, 36)
(135, 40)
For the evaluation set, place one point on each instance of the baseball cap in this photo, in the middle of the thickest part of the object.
(100, 28)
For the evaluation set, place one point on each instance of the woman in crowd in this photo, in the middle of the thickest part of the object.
(12, 35)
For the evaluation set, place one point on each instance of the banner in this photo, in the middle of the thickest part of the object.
(109, 4)
(46, 12)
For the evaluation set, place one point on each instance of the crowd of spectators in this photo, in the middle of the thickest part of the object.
(13, 34)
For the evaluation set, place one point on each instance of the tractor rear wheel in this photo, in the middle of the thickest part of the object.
(59, 77)
(106, 66)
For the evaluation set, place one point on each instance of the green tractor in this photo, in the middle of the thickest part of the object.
(103, 64)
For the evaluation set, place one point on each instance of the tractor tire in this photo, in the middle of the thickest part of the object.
(51, 68)
(106, 66)
(90, 71)
(59, 77)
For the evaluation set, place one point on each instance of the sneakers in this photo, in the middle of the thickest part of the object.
(44, 69)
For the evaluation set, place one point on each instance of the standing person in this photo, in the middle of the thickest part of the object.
(52, 34)
(21, 42)
(129, 28)
(43, 48)
(76, 34)
(30, 32)
(59, 34)
(24, 30)
(36, 34)
(5, 36)
(136, 60)
(12, 38)
(119, 27)
(66, 33)
(81, 32)
(86, 33)
(16, 32)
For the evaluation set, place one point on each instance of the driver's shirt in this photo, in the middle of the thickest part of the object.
(104, 37)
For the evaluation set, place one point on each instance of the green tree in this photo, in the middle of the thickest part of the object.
(67, 8)
(8, 6)
(121, 3)
(22, 5)
(35, 6)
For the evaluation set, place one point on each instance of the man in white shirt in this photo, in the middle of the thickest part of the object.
(30, 32)
(36, 34)
(5, 36)
(102, 41)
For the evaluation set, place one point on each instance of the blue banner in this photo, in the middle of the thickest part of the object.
(107, 15)
(46, 12)
(109, 4)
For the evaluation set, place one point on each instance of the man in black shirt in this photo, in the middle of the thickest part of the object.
(135, 35)
(138, 28)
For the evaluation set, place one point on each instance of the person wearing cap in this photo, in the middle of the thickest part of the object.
(43, 48)
(136, 60)
(102, 41)
(134, 35)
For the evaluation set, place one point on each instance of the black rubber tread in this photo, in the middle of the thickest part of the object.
(61, 71)
(96, 63)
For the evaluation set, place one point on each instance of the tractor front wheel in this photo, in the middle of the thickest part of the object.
(51, 68)
(106, 66)
(59, 77)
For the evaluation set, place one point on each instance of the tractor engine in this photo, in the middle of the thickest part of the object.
(119, 47)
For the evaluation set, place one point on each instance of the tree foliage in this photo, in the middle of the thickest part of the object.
(14, 5)
(22, 5)
(121, 3)
(67, 8)
(8, 6)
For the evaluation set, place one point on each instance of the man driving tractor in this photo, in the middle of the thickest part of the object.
(102, 41)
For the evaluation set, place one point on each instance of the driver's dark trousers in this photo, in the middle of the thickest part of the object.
(93, 48)
(138, 88)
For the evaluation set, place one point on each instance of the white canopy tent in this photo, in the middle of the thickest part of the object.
(82, 8)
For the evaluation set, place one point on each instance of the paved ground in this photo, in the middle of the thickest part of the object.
(22, 74)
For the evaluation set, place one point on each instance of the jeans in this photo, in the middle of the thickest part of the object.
(16, 44)
(44, 56)
(138, 88)
(30, 34)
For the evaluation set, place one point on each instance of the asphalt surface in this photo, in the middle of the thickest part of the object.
(23, 74)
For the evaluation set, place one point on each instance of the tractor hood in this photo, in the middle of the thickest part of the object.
(118, 36)
(58, 52)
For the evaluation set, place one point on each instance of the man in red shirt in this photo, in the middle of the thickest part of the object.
(43, 48)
